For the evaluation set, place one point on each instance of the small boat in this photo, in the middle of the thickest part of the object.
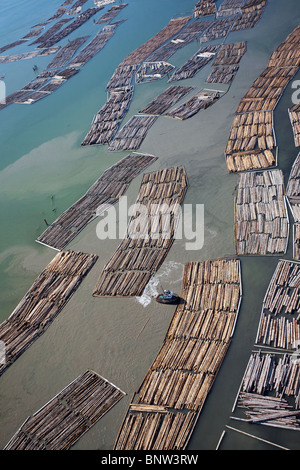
(167, 297)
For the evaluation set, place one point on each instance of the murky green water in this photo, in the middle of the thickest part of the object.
(41, 157)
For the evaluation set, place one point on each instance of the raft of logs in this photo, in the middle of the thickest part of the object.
(205, 8)
(170, 399)
(47, 296)
(188, 34)
(195, 63)
(219, 29)
(252, 142)
(149, 236)
(71, 27)
(104, 192)
(66, 53)
(132, 134)
(165, 100)
(296, 242)
(294, 114)
(251, 148)
(251, 12)
(107, 121)
(293, 189)
(61, 422)
(150, 71)
(279, 333)
(192, 106)
(261, 217)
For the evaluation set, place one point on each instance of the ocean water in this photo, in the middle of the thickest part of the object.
(43, 170)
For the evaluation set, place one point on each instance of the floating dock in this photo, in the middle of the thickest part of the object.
(47, 296)
(169, 401)
(149, 236)
(71, 413)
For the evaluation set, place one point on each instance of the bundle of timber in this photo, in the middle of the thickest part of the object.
(149, 237)
(66, 417)
(219, 29)
(251, 12)
(230, 54)
(41, 304)
(293, 189)
(202, 100)
(251, 143)
(278, 332)
(284, 288)
(79, 21)
(104, 192)
(107, 121)
(261, 218)
(273, 375)
(49, 33)
(150, 71)
(111, 13)
(186, 366)
(229, 8)
(204, 8)
(91, 49)
(132, 134)
(66, 53)
(195, 63)
(294, 114)
(165, 100)
(189, 33)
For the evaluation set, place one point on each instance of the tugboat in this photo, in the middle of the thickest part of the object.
(167, 297)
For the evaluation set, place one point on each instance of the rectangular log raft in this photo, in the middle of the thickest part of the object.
(165, 100)
(261, 218)
(293, 189)
(170, 399)
(262, 97)
(47, 296)
(65, 418)
(105, 191)
(294, 114)
(149, 236)
(195, 63)
(268, 382)
(192, 106)
(132, 134)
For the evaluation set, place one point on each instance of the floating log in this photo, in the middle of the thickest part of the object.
(66, 417)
